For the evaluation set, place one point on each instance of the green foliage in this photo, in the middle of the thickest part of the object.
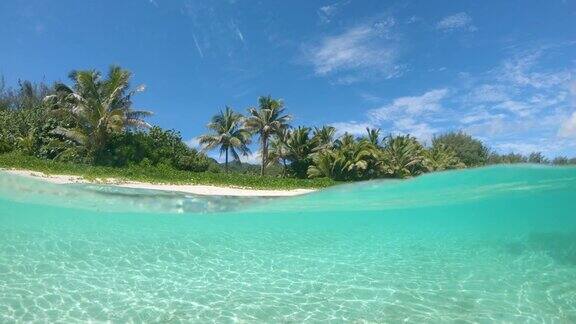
(154, 147)
(510, 158)
(196, 162)
(329, 164)
(91, 129)
(273, 170)
(267, 120)
(162, 173)
(278, 152)
(97, 108)
(324, 137)
(469, 150)
(561, 160)
(537, 157)
(227, 133)
(25, 123)
(299, 147)
(439, 158)
(373, 136)
(402, 157)
(348, 160)
(6, 143)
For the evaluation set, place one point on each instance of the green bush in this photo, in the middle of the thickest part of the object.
(161, 173)
(156, 146)
(469, 150)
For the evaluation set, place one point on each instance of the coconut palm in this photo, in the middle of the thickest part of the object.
(299, 143)
(278, 152)
(300, 146)
(344, 141)
(97, 107)
(330, 164)
(228, 133)
(402, 157)
(267, 120)
(324, 137)
(373, 136)
(349, 160)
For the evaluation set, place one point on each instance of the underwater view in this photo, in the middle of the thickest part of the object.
(488, 244)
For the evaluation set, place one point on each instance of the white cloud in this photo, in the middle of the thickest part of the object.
(489, 127)
(351, 127)
(488, 93)
(522, 148)
(410, 106)
(327, 13)
(459, 21)
(480, 114)
(520, 71)
(521, 105)
(414, 115)
(568, 127)
(516, 107)
(357, 53)
(153, 2)
(194, 143)
(412, 20)
(252, 158)
(368, 97)
(421, 130)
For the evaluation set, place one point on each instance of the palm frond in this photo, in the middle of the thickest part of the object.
(74, 134)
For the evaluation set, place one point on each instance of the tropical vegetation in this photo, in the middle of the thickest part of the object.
(90, 127)
(267, 120)
(228, 134)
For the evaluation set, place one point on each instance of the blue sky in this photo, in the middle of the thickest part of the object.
(503, 71)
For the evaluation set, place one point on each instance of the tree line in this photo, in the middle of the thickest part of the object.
(93, 121)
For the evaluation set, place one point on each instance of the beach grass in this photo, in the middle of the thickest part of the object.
(161, 174)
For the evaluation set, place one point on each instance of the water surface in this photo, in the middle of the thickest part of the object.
(491, 244)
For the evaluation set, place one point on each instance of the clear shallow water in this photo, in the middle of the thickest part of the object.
(493, 244)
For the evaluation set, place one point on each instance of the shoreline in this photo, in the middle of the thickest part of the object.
(204, 190)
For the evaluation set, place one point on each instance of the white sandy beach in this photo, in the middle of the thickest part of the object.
(191, 189)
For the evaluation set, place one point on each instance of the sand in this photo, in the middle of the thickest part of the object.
(191, 189)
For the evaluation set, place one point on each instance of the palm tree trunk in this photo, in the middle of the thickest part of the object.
(264, 154)
(226, 161)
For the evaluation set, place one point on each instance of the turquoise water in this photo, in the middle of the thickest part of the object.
(492, 244)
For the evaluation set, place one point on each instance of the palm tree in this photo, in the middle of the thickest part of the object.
(300, 148)
(402, 157)
(348, 160)
(324, 137)
(328, 163)
(344, 141)
(97, 107)
(278, 152)
(229, 134)
(267, 120)
(373, 136)
(439, 158)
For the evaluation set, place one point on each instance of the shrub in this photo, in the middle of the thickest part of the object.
(402, 157)
(469, 150)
